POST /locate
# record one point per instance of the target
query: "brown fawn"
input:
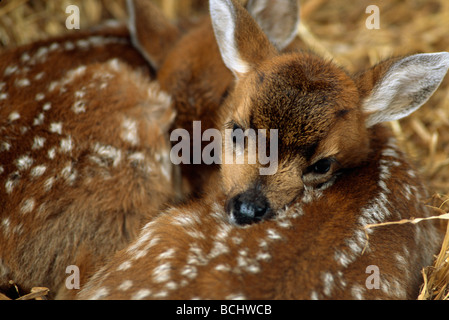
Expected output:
(299, 232)
(84, 155)
(84, 147)
(190, 67)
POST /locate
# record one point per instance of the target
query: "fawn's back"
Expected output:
(299, 232)
(83, 155)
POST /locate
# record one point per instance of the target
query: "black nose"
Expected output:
(248, 207)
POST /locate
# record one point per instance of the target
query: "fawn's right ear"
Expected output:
(241, 41)
(396, 88)
(151, 33)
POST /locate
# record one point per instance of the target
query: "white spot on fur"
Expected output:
(124, 266)
(264, 256)
(218, 249)
(14, 116)
(24, 163)
(12, 182)
(47, 106)
(223, 267)
(236, 296)
(54, 46)
(184, 220)
(40, 97)
(66, 145)
(10, 70)
(100, 294)
(39, 76)
(38, 143)
(52, 153)
(125, 285)
(5, 146)
(56, 127)
(108, 154)
(38, 171)
(357, 292)
(162, 273)
(129, 132)
(79, 107)
(161, 294)
(23, 83)
(114, 64)
(141, 294)
(28, 206)
(69, 174)
(6, 223)
(328, 283)
(167, 254)
(83, 44)
(69, 46)
(39, 120)
(343, 259)
(48, 184)
(189, 272)
(273, 235)
(137, 157)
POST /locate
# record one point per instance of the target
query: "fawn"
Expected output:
(298, 233)
(83, 155)
(84, 146)
(190, 67)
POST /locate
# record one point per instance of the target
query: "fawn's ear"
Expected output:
(241, 41)
(151, 33)
(279, 19)
(394, 89)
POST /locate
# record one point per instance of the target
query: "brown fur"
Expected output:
(317, 91)
(315, 246)
(89, 186)
(289, 257)
(188, 66)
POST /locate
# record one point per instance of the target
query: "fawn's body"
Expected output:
(299, 232)
(311, 250)
(83, 151)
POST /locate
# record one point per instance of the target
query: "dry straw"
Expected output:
(337, 30)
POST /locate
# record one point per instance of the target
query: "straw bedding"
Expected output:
(335, 29)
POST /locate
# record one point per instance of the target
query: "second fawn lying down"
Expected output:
(299, 232)
(83, 156)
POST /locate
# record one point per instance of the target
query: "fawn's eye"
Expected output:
(237, 132)
(323, 166)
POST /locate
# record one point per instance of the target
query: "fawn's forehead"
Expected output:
(301, 95)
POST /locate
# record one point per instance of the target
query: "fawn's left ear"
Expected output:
(394, 89)
(241, 41)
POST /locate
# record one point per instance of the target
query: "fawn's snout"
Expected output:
(248, 207)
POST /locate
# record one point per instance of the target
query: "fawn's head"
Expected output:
(324, 116)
